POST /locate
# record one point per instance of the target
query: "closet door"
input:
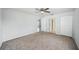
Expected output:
(45, 24)
(66, 25)
(48, 24)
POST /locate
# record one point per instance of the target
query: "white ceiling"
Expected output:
(54, 10)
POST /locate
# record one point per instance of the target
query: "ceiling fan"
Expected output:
(44, 10)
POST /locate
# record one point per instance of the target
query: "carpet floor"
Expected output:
(40, 41)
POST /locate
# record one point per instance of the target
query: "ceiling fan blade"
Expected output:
(46, 8)
(42, 9)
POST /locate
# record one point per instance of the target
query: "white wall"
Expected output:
(64, 23)
(76, 26)
(17, 23)
(0, 28)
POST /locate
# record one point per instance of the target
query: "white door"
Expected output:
(45, 24)
(66, 25)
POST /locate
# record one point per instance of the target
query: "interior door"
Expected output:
(45, 24)
(66, 25)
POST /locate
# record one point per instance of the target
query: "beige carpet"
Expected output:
(40, 41)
